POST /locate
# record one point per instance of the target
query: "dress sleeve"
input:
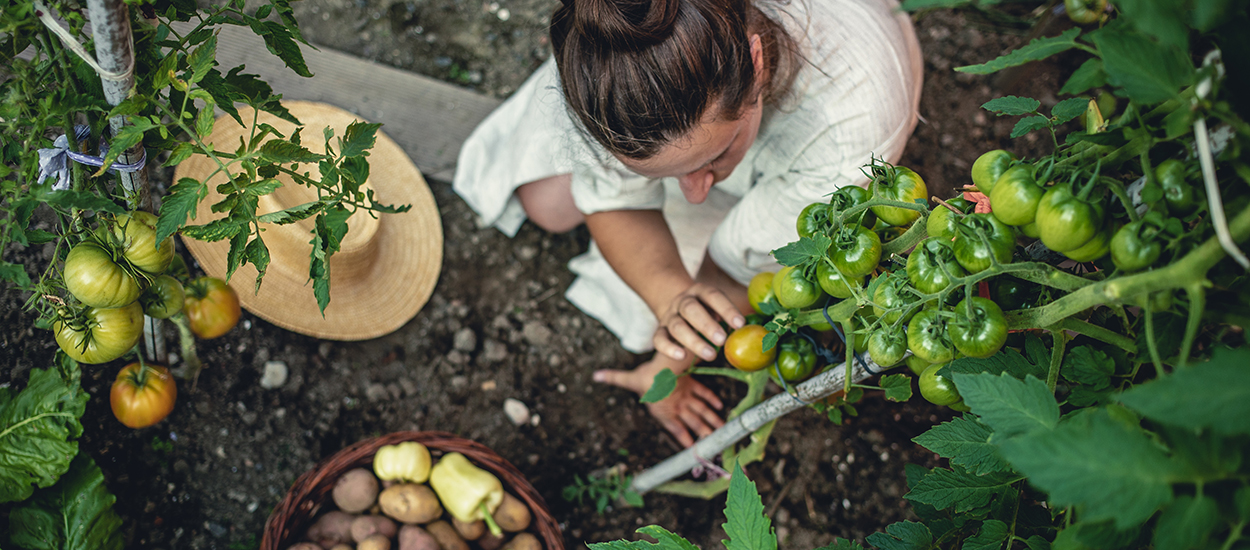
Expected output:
(602, 183)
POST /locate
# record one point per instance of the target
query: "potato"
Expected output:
(366, 526)
(332, 528)
(375, 542)
(355, 491)
(412, 537)
(304, 546)
(446, 535)
(340, 547)
(523, 541)
(491, 542)
(512, 514)
(410, 503)
(469, 531)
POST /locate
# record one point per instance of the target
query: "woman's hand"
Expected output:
(694, 312)
(690, 408)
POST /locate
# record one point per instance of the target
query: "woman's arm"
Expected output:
(641, 249)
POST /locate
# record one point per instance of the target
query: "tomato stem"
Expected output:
(1197, 303)
(1151, 343)
(1056, 356)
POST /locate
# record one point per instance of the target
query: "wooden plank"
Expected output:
(430, 119)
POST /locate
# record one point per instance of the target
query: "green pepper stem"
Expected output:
(490, 520)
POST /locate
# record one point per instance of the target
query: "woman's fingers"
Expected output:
(679, 330)
(722, 306)
(675, 427)
(665, 345)
(696, 422)
(620, 378)
(706, 394)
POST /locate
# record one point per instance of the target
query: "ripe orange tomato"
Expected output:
(745, 349)
(212, 307)
(143, 396)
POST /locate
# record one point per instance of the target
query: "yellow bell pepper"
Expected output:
(467, 492)
(407, 461)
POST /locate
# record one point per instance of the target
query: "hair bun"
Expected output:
(624, 24)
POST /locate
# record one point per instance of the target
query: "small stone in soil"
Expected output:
(517, 412)
(274, 376)
(489, 385)
(465, 340)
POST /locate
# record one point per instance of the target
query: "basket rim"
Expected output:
(311, 490)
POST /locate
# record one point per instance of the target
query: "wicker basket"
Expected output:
(307, 495)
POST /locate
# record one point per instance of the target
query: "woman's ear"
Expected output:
(757, 59)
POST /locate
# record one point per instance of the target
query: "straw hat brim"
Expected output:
(388, 266)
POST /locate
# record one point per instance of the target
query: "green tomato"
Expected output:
(1084, 12)
(793, 290)
(942, 221)
(1066, 221)
(1177, 192)
(1015, 195)
(887, 346)
(760, 290)
(891, 297)
(797, 359)
(897, 183)
(164, 298)
(94, 277)
(1136, 246)
(988, 168)
(834, 284)
(938, 389)
(916, 364)
(855, 251)
(979, 329)
(931, 266)
(100, 335)
(976, 254)
(928, 337)
(813, 219)
(137, 234)
(1011, 293)
(848, 197)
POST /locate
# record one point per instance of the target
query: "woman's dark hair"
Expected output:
(639, 74)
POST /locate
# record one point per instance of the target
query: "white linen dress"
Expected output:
(856, 95)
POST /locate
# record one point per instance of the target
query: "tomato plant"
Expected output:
(1015, 195)
(832, 282)
(760, 290)
(979, 329)
(142, 395)
(135, 234)
(164, 298)
(796, 359)
(982, 240)
(1066, 221)
(941, 222)
(856, 251)
(931, 266)
(99, 335)
(988, 168)
(211, 307)
(899, 184)
(744, 349)
(849, 197)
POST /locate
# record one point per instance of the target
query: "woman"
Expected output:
(688, 135)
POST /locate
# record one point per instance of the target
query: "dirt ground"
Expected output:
(497, 327)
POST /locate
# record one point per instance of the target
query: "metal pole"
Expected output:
(819, 387)
(114, 51)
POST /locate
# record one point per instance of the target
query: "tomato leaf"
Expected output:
(745, 522)
(1008, 405)
(965, 441)
(897, 387)
(1039, 48)
(204, 122)
(179, 203)
(282, 152)
(957, 487)
(1088, 366)
(903, 535)
(14, 273)
(1149, 72)
(39, 422)
(803, 252)
(667, 540)
(661, 387)
(1012, 105)
(1028, 124)
(992, 535)
(1113, 470)
(1186, 523)
(257, 254)
(279, 41)
(1213, 395)
(293, 214)
(1068, 109)
(842, 544)
(358, 138)
(1088, 75)
(75, 514)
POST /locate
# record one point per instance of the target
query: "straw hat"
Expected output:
(387, 266)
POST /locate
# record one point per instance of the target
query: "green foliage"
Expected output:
(1039, 48)
(75, 514)
(603, 491)
(40, 425)
(661, 387)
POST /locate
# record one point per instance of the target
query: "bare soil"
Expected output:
(498, 327)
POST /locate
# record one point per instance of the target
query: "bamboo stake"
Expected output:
(114, 51)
